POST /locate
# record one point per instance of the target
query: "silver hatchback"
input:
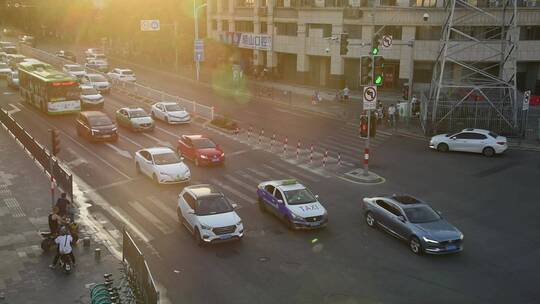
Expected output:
(413, 221)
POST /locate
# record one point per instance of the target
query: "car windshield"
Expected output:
(166, 158)
(75, 68)
(127, 72)
(174, 107)
(203, 143)
(137, 113)
(89, 91)
(100, 62)
(213, 205)
(421, 214)
(97, 78)
(15, 75)
(99, 121)
(299, 197)
(100, 56)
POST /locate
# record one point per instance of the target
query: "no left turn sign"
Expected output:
(370, 98)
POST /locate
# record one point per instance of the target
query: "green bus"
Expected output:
(47, 89)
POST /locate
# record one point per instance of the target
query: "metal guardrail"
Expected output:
(135, 90)
(63, 179)
(134, 259)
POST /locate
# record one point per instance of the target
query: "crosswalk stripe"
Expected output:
(341, 149)
(126, 219)
(151, 217)
(295, 172)
(248, 176)
(170, 212)
(350, 145)
(239, 182)
(258, 172)
(233, 191)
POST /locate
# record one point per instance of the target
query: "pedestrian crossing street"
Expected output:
(344, 149)
(153, 216)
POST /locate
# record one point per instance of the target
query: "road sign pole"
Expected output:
(366, 150)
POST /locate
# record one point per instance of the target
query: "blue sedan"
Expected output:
(413, 221)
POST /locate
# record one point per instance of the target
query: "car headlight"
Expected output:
(222, 154)
(164, 173)
(94, 131)
(114, 129)
(296, 217)
(429, 240)
(205, 227)
(239, 223)
(461, 236)
(204, 156)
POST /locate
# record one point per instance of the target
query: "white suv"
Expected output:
(470, 140)
(208, 215)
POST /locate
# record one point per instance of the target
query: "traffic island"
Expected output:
(358, 176)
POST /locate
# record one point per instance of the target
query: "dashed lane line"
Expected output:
(151, 217)
(233, 191)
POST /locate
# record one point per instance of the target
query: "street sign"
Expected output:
(370, 98)
(386, 41)
(526, 99)
(150, 25)
(198, 50)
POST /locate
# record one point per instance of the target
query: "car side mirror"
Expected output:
(191, 211)
(316, 196)
(401, 218)
(453, 138)
(234, 205)
(181, 158)
(439, 212)
(280, 201)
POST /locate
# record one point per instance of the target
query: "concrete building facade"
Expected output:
(299, 49)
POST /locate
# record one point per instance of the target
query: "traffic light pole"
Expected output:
(51, 163)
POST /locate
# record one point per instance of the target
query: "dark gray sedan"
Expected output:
(414, 221)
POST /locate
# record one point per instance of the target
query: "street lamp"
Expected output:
(196, 15)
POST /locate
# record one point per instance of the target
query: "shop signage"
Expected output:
(248, 40)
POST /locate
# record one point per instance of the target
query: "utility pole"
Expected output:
(196, 18)
(175, 25)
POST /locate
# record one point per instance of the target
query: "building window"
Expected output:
(395, 31)
(423, 3)
(529, 33)
(245, 3)
(286, 29)
(428, 33)
(478, 32)
(225, 25)
(335, 3)
(354, 31)
(214, 25)
(243, 26)
(317, 27)
(264, 28)
(388, 2)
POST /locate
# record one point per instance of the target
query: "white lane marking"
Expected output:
(292, 113)
(260, 173)
(131, 141)
(237, 153)
(118, 183)
(8, 93)
(159, 141)
(171, 213)
(122, 152)
(296, 172)
(150, 216)
(233, 191)
(168, 132)
(248, 176)
(15, 109)
(239, 182)
(86, 149)
(76, 162)
(146, 237)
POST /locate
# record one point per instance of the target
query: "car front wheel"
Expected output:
(138, 168)
(370, 220)
(488, 152)
(415, 245)
(442, 147)
(198, 238)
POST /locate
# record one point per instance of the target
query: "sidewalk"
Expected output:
(25, 203)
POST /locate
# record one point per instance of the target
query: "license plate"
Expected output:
(225, 237)
(107, 135)
(450, 247)
(215, 159)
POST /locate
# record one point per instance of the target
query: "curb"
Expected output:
(357, 176)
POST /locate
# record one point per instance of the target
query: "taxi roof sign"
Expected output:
(289, 182)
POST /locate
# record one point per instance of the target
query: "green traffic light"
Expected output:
(378, 80)
(375, 51)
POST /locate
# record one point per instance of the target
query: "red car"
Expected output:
(202, 150)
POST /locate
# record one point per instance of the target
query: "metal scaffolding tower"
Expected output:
(474, 78)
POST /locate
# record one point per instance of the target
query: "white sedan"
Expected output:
(170, 112)
(470, 140)
(122, 74)
(74, 69)
(162, 164)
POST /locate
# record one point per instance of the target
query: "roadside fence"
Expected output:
(143, 283)
(63, 179)
(132, 89)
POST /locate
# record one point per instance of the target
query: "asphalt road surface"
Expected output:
(492, 201)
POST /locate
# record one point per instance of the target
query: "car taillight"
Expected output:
(502, 143)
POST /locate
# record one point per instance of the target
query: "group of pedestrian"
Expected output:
(388, 115)
(61, 215)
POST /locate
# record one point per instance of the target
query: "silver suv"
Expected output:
(413, 221)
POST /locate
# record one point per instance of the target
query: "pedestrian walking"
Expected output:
(392, 115)
(316, 98)
(346, 92)
(64, 206)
